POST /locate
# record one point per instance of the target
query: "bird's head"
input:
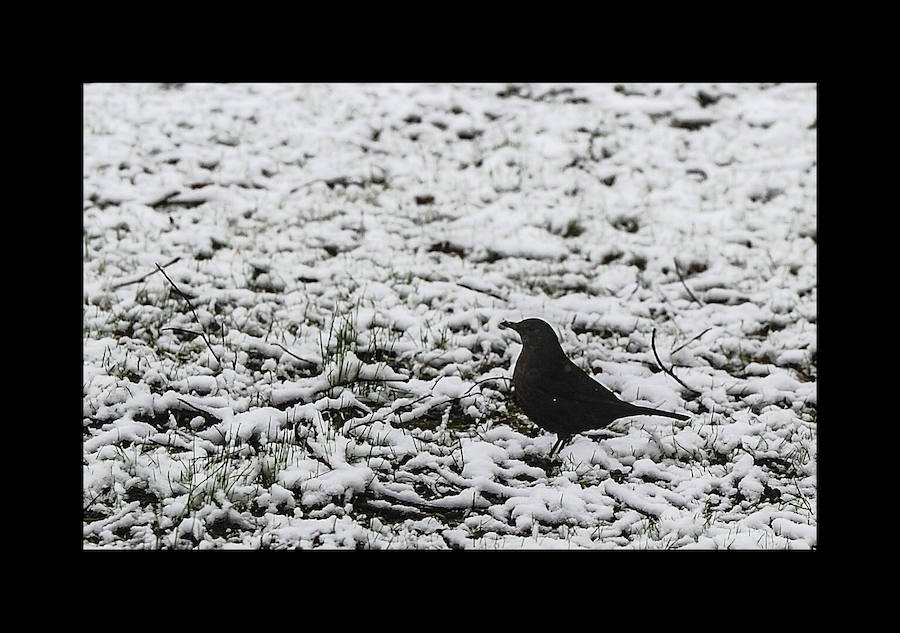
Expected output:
(534, 332)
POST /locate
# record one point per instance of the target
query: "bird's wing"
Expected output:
(567, 400)
(572, 383)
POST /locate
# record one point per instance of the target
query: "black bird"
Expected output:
(556, 394)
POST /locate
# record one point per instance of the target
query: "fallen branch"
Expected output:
(140, 279)
(194, 312)
(662, 367)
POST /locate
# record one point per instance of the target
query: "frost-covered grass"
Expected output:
(343, 257)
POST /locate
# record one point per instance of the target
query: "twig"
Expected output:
(235, 356)
(97, 496)
(802, 496)
(352, 381)
(690, 341)
(140, 279)
(204, 411)
(478, 382)
(295, 356)
(391, 412)
(310, 451)
(196, 318)
(331, 182)
(681, 277)
(355, 380)
(636, 286)
(423, 397)
(418, 505)
(662, 367)
(180, 331)
(487, 292)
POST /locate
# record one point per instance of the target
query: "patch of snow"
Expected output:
(349, 252)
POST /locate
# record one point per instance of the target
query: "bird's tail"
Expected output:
(636, 410)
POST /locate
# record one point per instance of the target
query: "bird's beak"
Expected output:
(508, 325)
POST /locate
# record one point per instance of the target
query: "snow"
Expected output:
(349, 252)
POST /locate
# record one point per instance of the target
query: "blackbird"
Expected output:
(556, 394)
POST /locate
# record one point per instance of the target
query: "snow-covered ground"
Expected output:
(343, 257)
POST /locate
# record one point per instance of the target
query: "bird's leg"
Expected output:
(560, 441)
(553, 450)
